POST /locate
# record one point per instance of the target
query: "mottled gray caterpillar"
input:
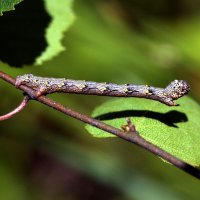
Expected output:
(42, 85)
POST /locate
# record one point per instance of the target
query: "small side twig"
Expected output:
(129, 127)
(16, 110)
(128, 136)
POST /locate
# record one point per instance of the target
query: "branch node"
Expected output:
(129, 127)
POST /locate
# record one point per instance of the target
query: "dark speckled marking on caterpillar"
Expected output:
(42, 85)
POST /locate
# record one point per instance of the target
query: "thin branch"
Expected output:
(132, 137)
(16, 110)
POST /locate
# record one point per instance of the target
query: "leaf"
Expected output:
(174, 129)
(62, 18)
(7, 5)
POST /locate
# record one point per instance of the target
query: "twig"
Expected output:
(128, 136)
(16, 110)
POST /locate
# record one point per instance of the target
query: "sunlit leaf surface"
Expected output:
(7, 5)
(174, 129)
(62, 18)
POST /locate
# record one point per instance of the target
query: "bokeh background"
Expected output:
(45, 155)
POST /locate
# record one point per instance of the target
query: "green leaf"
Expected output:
(7, 5)
(62, 18)
(174, 129)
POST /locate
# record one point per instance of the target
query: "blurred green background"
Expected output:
(48, 156)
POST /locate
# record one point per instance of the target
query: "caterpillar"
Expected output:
(44, 85)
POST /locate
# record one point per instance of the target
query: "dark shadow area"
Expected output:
(169, 118)
(136, 13)
(22, 33)
(68, 182)
(163, 9)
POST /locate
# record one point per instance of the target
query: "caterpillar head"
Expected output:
(177, 89)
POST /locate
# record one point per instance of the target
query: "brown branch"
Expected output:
(132, 137)
(16, 110)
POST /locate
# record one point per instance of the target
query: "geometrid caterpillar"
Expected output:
(42, 85)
